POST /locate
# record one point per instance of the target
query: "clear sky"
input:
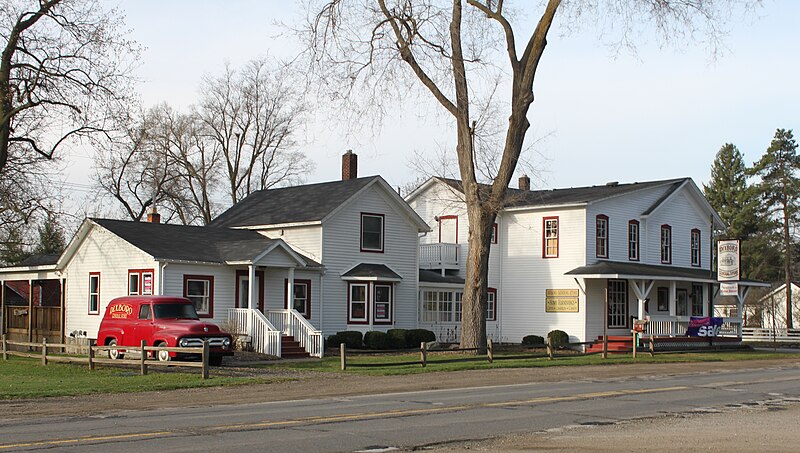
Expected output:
(661, 114)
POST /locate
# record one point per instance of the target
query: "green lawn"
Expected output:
(27, 378)
(437, 361)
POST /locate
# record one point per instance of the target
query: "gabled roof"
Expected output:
(166, 242)
(297, 204)
(370, 271)
(568, 196)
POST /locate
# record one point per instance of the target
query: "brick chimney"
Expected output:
(349, 165)
(153, 216)
(524, 182)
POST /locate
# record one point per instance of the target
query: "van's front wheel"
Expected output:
(163, 356)
(114, 354)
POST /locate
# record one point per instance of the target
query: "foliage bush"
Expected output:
(376, 340)
(352, 338)
(333, 341)
(416, 336)
(558, 338)
(532, 340)
(397, 338)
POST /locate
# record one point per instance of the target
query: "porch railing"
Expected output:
(438, 255)
(776, 335)
(291, 322)
(677, 325)
(264, 337)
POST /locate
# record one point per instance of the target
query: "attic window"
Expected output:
(372, 233)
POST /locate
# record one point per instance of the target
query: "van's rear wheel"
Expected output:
(114, 354)
(163, 356)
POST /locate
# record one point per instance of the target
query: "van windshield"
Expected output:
(175, 311)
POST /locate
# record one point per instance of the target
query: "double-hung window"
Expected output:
(372, 232)
(301, 295)
(666, 244)
(382, 301)
(140, 281)
(550, 237)
(695, 244)
(633, 240)
(94, 293)
(601, 236)
(357, 306)
(200, 290)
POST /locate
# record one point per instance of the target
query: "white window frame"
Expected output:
(94, 297)
(350, 302)
(204, 299)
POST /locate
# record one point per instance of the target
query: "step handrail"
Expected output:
(294, 324)
(265, 338)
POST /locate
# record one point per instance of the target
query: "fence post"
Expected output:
(343, 355)
(549, 349)
(634, 343)
(489, 351)
(423, 352)
(44, 351)
(91, 357)
(144, 356)
(5, 348)
(205, 359)
(652, 346)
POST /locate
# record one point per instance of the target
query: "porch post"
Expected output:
(672, 289)
(290, 288)
(251, 286)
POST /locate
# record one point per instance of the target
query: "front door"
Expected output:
(243, 289)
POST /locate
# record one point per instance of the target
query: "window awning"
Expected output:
(614, 269)
(371, 272)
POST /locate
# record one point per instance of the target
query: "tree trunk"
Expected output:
(476, 282)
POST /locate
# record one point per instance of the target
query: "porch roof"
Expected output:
(369, 271)
(426, 276)
(615, 269)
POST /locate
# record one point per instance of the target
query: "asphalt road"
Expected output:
(404, 420)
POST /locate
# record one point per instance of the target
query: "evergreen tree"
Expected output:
(779, 189)
(729, 194)
(13, 248)
(51, 237)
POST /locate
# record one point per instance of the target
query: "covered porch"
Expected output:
(32, 300)
(277, 322)
(619, 294)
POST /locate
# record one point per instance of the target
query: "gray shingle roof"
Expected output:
(191, 243)
(648, 270)
(40, 260)
(306, 203)
(588, 194)
(368, 270)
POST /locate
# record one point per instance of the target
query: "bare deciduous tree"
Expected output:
(252, 116)
(370, 52)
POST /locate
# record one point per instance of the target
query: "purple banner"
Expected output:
(704, 326)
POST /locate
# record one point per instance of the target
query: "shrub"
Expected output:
(376, 340)
(333, 341)
(352, 338)
(558, 338)
(397, 338)
(532, 340)
(416, 336)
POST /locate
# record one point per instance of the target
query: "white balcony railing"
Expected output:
(438, 256)
(664, 325)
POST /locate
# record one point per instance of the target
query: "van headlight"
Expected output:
(226, 342)
(184, 342)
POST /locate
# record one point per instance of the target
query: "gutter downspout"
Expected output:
(161, 279)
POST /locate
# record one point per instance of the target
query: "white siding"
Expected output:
(526, 275)
(305, 239)
(108, 254)
(224, 285)
(341, 251)
(682, 214)
(275, 291)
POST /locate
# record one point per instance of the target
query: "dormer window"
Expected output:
(601, 236)
(372, 232)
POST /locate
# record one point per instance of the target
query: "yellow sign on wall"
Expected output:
(561, 301)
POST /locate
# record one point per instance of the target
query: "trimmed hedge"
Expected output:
(353, 339)
(532, 340)
(397, 338)
(414, 337)
(558, 338)
(333, 341)
(376, 340)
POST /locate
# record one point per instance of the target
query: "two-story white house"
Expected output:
(298, 262)
(559, 256)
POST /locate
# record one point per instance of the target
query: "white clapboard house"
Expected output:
(555, 254)
(282, 265)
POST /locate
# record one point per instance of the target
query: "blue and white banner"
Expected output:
(704, 326)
